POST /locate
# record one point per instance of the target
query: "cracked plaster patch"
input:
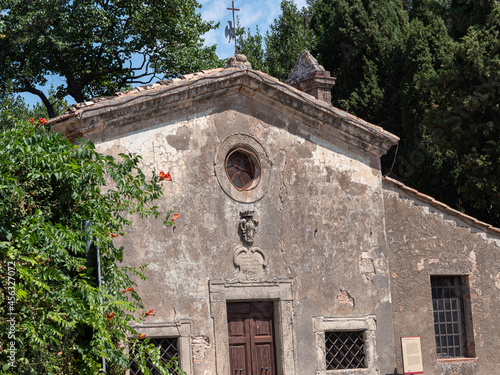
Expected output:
(358, 171)
(345, 298)
(366, 267)
(199, 345)
(421, 264)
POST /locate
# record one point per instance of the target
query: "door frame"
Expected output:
(249, 313)
(281, 293)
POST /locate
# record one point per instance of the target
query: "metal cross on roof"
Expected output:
(230, 31)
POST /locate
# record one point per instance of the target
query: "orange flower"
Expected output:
(142, 335)
(165, 176)
(32, 120)
(131, 289)
(113, 235)
(42, 121)
(175, 217)
(110, 315)
(151, 312)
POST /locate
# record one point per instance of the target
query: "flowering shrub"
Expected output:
(63, 323)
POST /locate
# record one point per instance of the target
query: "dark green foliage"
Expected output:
(48, 187)
(465, 109)
(90, 43)
(358, 42)
(426, 54)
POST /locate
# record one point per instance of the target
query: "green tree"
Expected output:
(13, 107)
(91, 44)
(358, 41)
(465, 110)
(251, 46)
(277, 53)
(287, 37)
(427, 51)
(54, 314)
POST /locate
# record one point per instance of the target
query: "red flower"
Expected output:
(142, 335)
(151, 312)
(131, 289)
(175, 217)
(42, 121)
(81, 268)
(113, 235)
(165, 176)
(32, 120)
(110, 315)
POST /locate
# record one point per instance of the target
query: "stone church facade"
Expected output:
(292, 254)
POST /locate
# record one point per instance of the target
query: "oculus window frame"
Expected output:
(257, 156)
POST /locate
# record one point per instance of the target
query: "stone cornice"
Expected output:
(144, 102)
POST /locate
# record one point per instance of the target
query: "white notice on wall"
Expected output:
(412, 355)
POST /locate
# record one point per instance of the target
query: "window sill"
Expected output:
(357, 371)
(457, 359)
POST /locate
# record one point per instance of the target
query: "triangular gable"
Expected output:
(163, 98)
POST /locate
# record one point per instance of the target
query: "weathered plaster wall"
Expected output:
(424, 242)
(320, 222)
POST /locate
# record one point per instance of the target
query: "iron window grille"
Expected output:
(345, 350)
(449, 316)
(168, 351)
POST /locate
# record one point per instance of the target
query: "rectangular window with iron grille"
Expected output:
(449, 310)
(345, 350)
(168, 351)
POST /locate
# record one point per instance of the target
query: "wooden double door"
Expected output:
(251, 338)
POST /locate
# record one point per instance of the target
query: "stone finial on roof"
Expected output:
(238, 61)
(312, 78)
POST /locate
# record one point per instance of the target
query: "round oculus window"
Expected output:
(242, 169)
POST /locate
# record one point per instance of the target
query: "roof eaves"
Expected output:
(469, 220)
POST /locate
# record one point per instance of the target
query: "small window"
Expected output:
(345, 350)
(448, 306)
(243, 169)
(346, 345)
(168, 351)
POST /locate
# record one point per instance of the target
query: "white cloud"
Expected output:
(300, 3)
(212, 10)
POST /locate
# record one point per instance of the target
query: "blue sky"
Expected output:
(251, 14)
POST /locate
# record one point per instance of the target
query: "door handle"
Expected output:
(240, 370)
(264, 368)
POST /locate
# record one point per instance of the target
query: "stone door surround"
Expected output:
(280, 292)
